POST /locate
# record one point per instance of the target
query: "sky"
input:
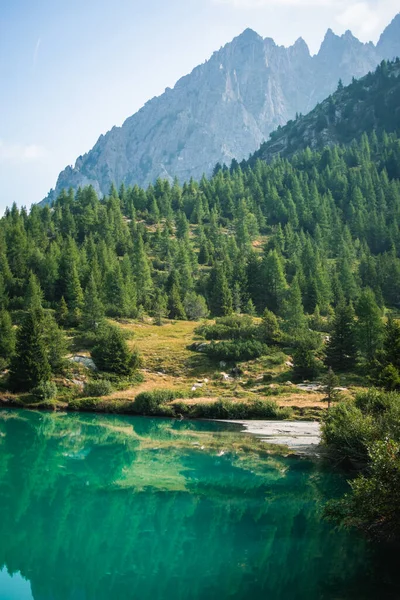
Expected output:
(70, 71)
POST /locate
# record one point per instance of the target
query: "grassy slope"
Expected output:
(168, 364)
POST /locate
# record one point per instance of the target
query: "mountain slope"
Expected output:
(371, 103)
(224, 109)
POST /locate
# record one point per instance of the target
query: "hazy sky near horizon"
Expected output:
(69, 71)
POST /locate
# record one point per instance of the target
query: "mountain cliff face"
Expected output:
(371, 103)
(224, 109)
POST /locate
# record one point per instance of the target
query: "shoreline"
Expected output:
(301, 437)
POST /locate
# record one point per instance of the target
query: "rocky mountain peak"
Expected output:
(389, 42)
(224, 109)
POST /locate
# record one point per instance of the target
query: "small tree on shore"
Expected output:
(330, 384)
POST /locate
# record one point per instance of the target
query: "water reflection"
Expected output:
(96, 507)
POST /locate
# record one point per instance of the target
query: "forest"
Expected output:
(301, 255)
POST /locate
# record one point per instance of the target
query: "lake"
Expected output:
(110, 507)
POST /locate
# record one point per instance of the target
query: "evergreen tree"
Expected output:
(7, 338)
(269, 328)
(34, 294)
(293, 317)
(220, 296)
(369, 325)
(55, 344)
(175, 306)
(160, 307)
(275, 281)
(330, 383)
(391, 342)
(74, 296)
(341, 349)
(195, 306)
(112, 353)
(305, 365)
(30, 365)
(62, 312)
(93, 309)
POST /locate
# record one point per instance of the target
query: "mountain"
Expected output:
(371, 103)
(224, 109)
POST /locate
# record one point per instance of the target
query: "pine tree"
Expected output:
(369, 325)
(112, 353)
(330, 383)
(274, 281)
(141, 268)
(269, 328)
(3, 293)
(93, 309)
(341, 349)
(34, 295)
(160, 307)
(220, 297)
(55, 344)
(62, 312)
(195, 306)
(7, 338)
(391, 342)
(74, 296)
(30, 365)
(292, 311)
(175, 306)
(305, 365)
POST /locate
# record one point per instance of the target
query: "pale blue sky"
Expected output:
(69, 71)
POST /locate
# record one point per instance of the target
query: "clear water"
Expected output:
(99, 507)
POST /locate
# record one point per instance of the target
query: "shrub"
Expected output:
(47, 390)
(234, 327)
(236, 351)
(348, 432)
(149, 403)
(102, 387)
(256, 409)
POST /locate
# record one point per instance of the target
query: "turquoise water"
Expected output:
(100, 507)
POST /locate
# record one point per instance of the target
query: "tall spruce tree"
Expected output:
(30, 365)
(220, 296)
(369, 324)
(7, 338)
(341, 349)
(293, 317)
(93, 309)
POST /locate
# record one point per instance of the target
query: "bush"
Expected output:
(149, 403)
(235, 351)
(348, 432)
(234, 327)
(102, 387)
(256, 409)
(47, 390)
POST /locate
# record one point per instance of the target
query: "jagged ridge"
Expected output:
(368, 104)
(224, 109)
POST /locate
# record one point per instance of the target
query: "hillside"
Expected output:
(371, 103)
(224, 109)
